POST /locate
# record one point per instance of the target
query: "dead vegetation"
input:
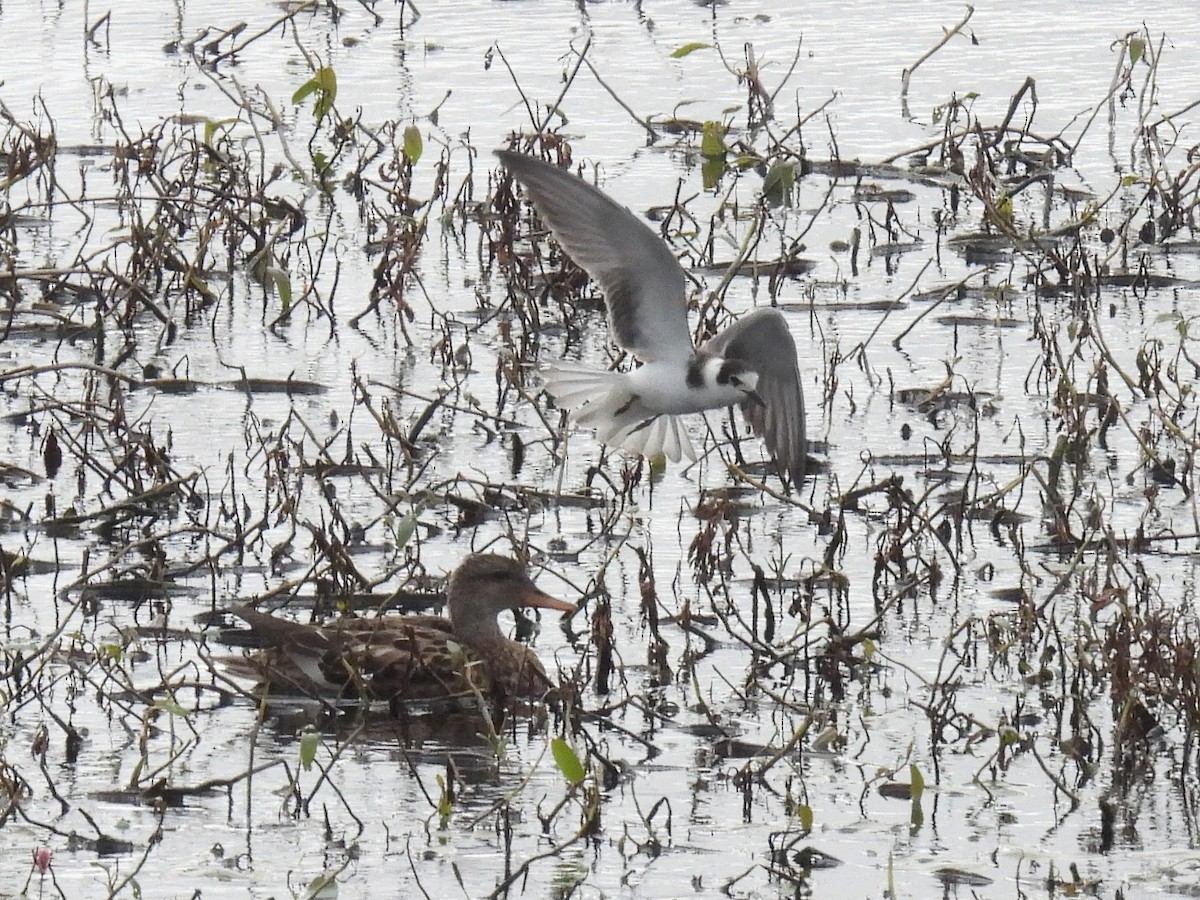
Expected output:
(1034, 550)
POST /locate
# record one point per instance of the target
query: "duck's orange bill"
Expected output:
(545, 601)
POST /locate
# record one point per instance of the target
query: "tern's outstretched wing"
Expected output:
(642, 281)
(761, 338)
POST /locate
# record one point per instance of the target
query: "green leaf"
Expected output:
(687, 49)
(805, 815)
(445, 801)
(713, 150)
(1004, 208)
(1137, 46)
(658, 465)
(917, 781)
(324, 85)
(327, 79)
(328, 82)
(322, 106)
(406, 527)
(112, 651)
(916, 787)
(778, 184)
(712, 141)
(212, 126)
(304, 90)
(568, 763)
(283, 285)
(169, 705)
(412, 144)
(320, 164)
(711, 171)
(309, 739)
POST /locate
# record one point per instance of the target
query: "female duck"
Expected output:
(415, 657)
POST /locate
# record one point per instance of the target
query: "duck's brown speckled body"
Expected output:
(415, 657)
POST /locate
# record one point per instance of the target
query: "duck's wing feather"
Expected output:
(413, 661)
(761, 338)
(409, 657)
(643, 283)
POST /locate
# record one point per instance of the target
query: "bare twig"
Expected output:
(906, 75)
(625, 106)
(286, 17)
(947, 292)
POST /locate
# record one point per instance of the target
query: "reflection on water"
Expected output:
(244, 356)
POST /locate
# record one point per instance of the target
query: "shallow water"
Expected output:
(679, 809)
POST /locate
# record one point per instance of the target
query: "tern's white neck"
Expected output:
(704, 383)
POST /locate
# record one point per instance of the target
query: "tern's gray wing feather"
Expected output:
(761, 339)
(642, 281)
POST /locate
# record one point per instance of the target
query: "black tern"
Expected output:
(751, 363)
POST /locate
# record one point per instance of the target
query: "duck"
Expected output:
(414, 657)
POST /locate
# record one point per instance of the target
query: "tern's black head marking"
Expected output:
(737, 373)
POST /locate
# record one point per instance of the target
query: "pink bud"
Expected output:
(41, 859)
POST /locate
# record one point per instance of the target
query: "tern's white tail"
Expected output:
(604, 400)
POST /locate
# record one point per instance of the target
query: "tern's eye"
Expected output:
(735, 381)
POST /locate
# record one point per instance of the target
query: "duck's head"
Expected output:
(484, 585)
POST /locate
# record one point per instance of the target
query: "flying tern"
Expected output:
(751, 363)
